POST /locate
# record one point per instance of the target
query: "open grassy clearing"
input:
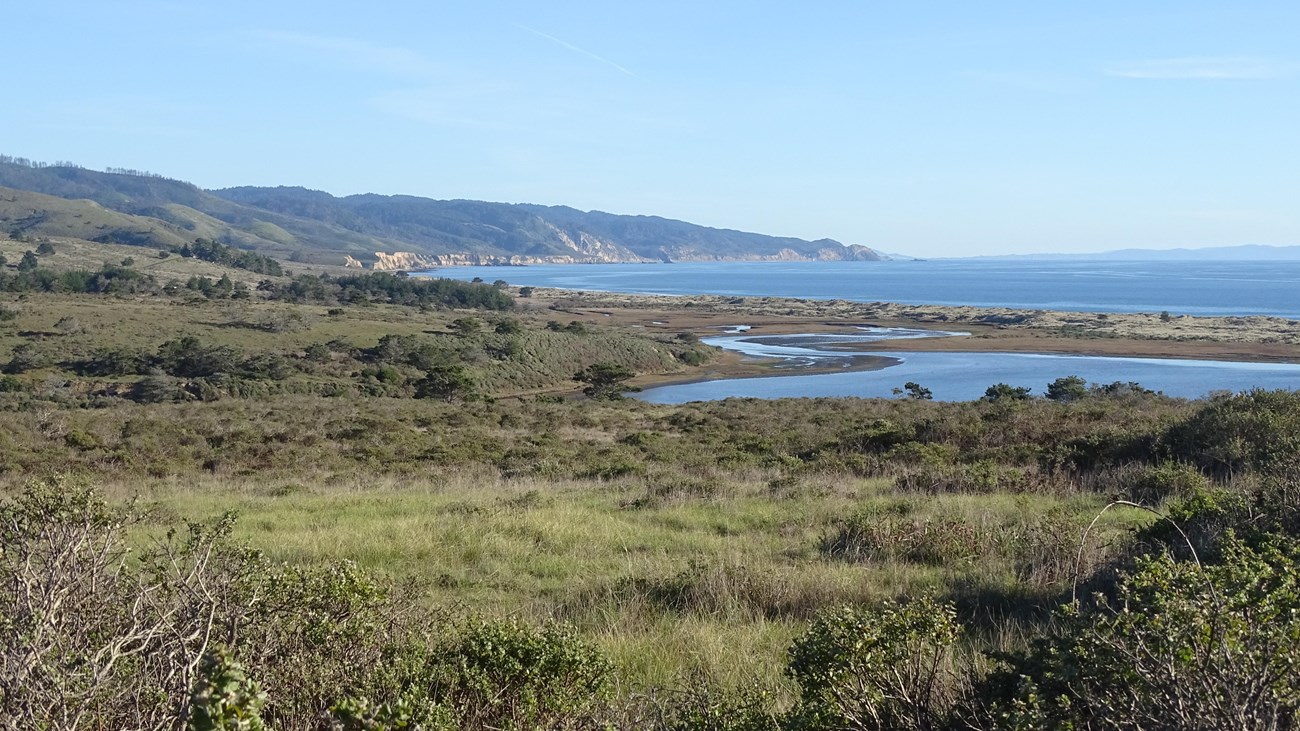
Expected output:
(711, 585)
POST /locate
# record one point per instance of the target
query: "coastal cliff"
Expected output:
(412, 261)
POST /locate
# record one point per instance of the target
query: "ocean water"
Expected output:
(1179, 287)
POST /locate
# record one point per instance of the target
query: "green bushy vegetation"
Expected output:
(196, 629)
(364, 511)
(319, 289)
(217, 253)
(224, 345)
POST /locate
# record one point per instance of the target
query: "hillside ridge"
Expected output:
(393, 232)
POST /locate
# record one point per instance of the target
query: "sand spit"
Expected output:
(1255, 338)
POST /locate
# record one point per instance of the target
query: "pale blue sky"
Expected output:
(929, 128)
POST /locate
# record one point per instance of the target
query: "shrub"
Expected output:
(693, 357)
(466, 326)
(1180, 647)
(1255, 430)
(605, 381)
(915, 391)
(493, 674)
(446, 383)
(188, 357)
(24, 358)
(1153, 485)
(702, 708)
(884, 668)
(508, 326)
(156, 390)
(1067, 389)
(1002, 392)
(111, 362)
(224, 697)
(69, 325)
(1204, 518)
(89, 638)
(879, 536)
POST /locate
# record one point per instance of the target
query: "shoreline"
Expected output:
(1256, 339)
(732, 365)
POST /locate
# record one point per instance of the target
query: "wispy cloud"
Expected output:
(574, 48)
(1206, 68)
(352, 52)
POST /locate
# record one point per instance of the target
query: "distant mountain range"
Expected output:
(1245, 252)
(384, 232)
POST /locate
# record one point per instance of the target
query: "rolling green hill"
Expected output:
(27, 214)
(389, 231)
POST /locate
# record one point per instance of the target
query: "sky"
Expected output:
(923, 128)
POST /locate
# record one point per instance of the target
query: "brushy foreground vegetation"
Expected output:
(226, 513)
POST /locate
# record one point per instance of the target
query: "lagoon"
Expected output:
(1205, 288)
(960, 376)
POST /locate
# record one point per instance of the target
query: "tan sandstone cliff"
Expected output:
(591, 250)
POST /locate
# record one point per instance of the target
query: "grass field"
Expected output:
(714, 585)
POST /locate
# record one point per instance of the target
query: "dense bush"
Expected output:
(217, 253)
(111, 279)
(194, 628)
(1181, 647)
(881, 669)
(605, 381)
(389, 288)
(1254, 430)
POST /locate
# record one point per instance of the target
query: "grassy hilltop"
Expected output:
(268, 493)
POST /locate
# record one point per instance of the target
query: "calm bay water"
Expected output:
(1179, 287)
(1191, 288)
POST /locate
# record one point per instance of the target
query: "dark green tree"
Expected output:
(605, 381)
(915, 391)
(1005, 392)
(446, 383)
(1067, 389)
